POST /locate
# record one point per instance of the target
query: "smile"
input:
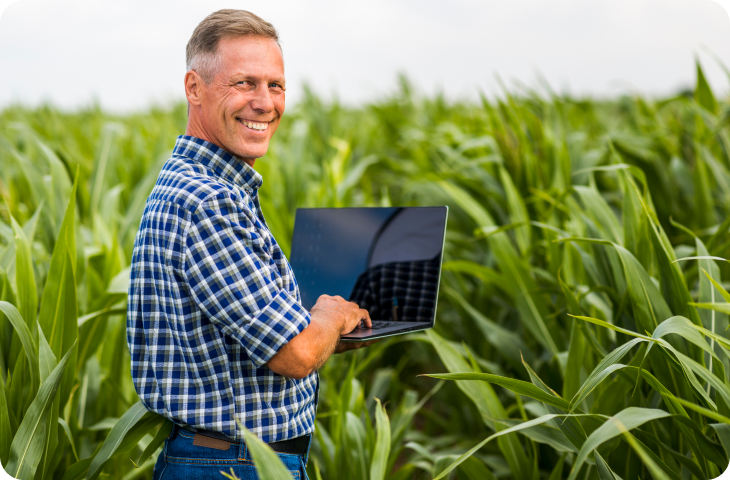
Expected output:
(258, 126)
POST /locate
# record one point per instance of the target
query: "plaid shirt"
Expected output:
(211, 299)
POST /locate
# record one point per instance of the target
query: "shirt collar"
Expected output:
(223, 163)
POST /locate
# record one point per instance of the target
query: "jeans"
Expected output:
(180, 459)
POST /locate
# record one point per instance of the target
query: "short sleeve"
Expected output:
(227, 269)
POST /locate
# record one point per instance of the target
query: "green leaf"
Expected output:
(648, 304)
(69, 435)
(547, 434)
(31, 350)
(719, 287)
(516, 276)
(115, 437)
(508, 343)
(690, 365)
(716, 306)
(382, 443)
(158, 440)
(608, 364)
(723, 433)
(524, 425)
(120, 283)
(8, 257)
(703, 93)
(29, 441)
(78, 470)
(576, 346)
(597, 207)
(602, 323)
(357, 437)
(27, 294)
(518, 386)
(557, 473)
(571, 427)
(650, 460)
(685, 329)
(47, 361)
(483, 273)
(473, 469)
(58, 313)
(517, 211)
(614, 426)
(487, 403)
(6, 433)
(268, 464)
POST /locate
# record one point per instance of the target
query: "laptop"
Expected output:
(387, 260)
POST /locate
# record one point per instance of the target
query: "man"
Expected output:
(215, 325)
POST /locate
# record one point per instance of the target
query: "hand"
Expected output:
(338, 309)
(343, 347)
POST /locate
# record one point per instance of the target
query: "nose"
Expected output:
(262, 102)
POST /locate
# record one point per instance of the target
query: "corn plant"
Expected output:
(581, 326)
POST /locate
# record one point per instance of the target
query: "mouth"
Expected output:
(255, 126)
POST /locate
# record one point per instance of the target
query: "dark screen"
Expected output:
(386, 260)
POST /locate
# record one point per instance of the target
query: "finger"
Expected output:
(366, 318)
(337, 297)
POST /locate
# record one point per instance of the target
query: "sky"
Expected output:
(128, 55)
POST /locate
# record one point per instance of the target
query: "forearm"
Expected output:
(309, 350)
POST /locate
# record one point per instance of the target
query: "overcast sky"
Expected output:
(131, 53)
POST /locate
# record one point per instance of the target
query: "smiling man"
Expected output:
(215, 326)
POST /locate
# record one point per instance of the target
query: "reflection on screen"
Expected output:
(387, 260)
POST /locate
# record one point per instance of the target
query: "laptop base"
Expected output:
(361, 334)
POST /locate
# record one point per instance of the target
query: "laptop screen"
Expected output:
(387, 260)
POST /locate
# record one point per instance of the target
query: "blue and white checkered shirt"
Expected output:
(212, 298)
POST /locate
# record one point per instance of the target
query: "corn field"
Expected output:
(582, 323)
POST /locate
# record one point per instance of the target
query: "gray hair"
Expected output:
(202, 53)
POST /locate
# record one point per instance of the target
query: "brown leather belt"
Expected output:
(219, 441)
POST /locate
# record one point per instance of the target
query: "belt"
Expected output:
(219, 441)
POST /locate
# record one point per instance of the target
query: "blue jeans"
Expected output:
(180, 459)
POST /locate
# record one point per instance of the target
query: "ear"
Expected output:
(193, 87)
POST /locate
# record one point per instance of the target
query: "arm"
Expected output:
(308, 351)
(233, 285)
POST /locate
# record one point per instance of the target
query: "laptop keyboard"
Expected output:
(379, 325)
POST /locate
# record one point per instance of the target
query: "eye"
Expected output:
(244, 82)
(276, 86)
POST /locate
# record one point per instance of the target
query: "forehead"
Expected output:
(251, 56)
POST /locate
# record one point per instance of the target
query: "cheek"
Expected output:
(280, 104)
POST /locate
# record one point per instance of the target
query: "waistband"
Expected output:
(217, 440)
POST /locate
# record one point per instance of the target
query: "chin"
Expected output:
(251, 152)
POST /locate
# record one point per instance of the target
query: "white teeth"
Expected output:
(255, 126)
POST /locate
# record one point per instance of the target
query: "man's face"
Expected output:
(242, 107)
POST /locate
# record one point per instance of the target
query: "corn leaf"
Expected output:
(31, 350)
(29, 441)
(27, 294)
(486, 401)
(703, 93)
(382, 443)
(268, 465)
(516, 277)
(6, 433)
(614, 426)
(115, 438)
(158, 440)
(58, 312)
(518, 386)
